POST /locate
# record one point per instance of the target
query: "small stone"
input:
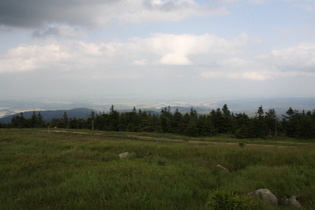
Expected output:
(124, 155)
(266, 195)
(291, 201)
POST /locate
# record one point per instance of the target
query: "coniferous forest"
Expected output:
(294, 123)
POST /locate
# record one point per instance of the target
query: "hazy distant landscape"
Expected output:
(202, 105)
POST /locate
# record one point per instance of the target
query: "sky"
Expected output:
(157, 48)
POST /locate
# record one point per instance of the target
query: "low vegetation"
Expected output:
(55, 169)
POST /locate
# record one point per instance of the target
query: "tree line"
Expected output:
(294, 123)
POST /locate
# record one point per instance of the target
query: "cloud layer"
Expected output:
(158, 46)
(159, 49)
(94, 13)
(218, 57)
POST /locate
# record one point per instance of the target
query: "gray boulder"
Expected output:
(266, 195)
(124, 155)
(291, 201)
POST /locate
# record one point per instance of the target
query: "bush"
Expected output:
(241, 144)
(225, 200)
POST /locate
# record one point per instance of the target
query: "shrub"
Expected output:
(226, 200)
(241, 144)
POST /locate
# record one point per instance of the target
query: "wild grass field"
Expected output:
(42, 169)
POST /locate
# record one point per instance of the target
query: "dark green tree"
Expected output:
(40, 123)
(166, 120)
(19, 121)
(218, 120)
(33, 121)
(241, 123)
(192, 128)
(65, 120)
(305, 127)
(272, 122)
(290, 122)
(176, 122)
(227, 119)
(113, 119)
(258, 126)
(205, 126)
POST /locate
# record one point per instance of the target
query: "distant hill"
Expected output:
(182, 109)
(200, 110)
(85, 112)
(49, 115)
(248, 106)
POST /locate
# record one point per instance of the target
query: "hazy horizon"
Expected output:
(204, 105)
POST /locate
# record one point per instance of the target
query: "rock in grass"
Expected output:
(291, 201)
(222, 167)
(124, 155)
(266, 195)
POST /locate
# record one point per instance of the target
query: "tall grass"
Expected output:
(41, 170)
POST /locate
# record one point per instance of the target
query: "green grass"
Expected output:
(41, 170)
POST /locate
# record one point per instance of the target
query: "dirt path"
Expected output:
(135, 137)
(148, 138)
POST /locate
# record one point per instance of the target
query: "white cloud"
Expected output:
(237, 63)
(301, 57)
(239, 1)
(212, 74)
(176, 49)
(159, 49)
(308, 5)
(175, 59)
(291, 62)
(117, 59)
(30, 57)
(261, 76)
(294, 74)
(62, 56)
(225, 1)
(257, 76)
(257, 1)
(238, 68)
(141, 62)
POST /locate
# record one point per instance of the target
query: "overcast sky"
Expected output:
(162, 48)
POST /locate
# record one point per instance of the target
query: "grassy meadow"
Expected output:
(42, 169)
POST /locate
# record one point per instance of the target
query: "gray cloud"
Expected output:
(57, 31)
(47, 32)
(92, 13)
(35, 13)
(168, 6)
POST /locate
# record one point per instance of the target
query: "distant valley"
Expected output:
(56, 109)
